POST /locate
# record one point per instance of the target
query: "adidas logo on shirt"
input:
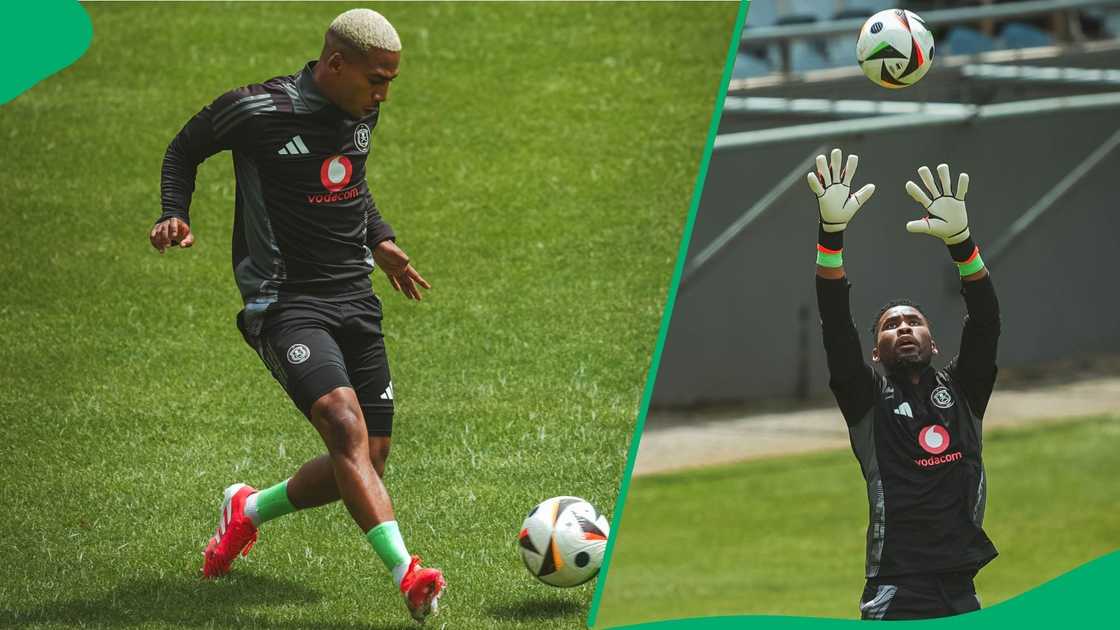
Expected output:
(388, 393)
(904, 410)
(295, 146)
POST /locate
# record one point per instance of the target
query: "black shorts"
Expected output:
(919, 596)
(313, 346)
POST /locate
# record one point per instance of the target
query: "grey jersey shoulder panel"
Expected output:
(241, 110)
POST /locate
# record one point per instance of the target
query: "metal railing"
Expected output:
(883, 124)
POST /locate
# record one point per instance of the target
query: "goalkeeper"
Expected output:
(915, 430)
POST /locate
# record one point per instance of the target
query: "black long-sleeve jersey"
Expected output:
(305, 222)
(919, 446)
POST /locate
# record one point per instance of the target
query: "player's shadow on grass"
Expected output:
(537, 608)
(234, 603)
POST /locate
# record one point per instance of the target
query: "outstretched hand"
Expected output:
(833, 186)
(170, 233)
(397, 267)
(946, 215)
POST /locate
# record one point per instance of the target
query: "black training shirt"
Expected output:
(919, 446)
(305, 222)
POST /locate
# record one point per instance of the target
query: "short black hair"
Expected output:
(888, 306)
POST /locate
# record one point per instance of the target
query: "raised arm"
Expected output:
(217, 127)
(850, 377)
(947, 218)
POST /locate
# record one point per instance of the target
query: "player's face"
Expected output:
(904, 339)
(364, 82)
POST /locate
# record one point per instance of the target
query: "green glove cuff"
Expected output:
(829, 258)
(972, 265)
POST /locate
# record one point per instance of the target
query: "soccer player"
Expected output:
(306, 237)
(915, 430)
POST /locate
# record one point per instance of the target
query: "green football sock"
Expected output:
(269, 503)
(387, 542)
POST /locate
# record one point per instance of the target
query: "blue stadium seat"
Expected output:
(871, 6)
(1112, 23)
(842, 49)
(762, 13)
(804, 54)
(1019, 35)
(963, 40)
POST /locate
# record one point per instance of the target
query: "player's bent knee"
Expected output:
(343, 432)
(339, 422)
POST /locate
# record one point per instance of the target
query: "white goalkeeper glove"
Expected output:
(946, 217)
(832, 187)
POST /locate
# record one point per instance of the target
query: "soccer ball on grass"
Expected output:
(562, 541)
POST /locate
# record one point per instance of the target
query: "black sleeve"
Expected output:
(217, 127)
(377, 229)
(975, 367)
(852, 380)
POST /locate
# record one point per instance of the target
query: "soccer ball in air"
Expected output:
(895, 49)
(562, 541)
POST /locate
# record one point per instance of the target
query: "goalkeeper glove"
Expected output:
(832, 187)
(946, 217)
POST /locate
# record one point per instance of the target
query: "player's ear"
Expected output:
(875, 355)
(933, 347)
(335, 61)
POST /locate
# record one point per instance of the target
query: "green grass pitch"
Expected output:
(537, 162)
(785, 536)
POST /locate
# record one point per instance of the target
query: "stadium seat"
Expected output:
(804, 54)
(963, 40)
(842, 50)
(1019, 35)
(1112, 24)
(869, 6)
(762, 13)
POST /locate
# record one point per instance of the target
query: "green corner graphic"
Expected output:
(23, 38)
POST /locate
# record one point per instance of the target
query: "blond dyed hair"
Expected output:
(361, 30)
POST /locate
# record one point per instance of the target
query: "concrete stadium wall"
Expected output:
(746, 328)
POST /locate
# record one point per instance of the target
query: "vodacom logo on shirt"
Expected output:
(335, 175)
(335, 172)
(934, 439)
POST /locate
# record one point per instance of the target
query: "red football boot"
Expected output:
(235, 533)
(421, 589)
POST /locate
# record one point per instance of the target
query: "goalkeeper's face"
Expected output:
(903, 339)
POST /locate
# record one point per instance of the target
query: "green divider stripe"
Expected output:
(666, 315)
(1082, 598)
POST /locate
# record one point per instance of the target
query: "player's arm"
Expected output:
(850, 377)
(387, 255)
(947, 218)
(213, 129)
